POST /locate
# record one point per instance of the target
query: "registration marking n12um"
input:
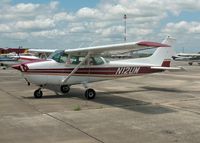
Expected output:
(127, 70)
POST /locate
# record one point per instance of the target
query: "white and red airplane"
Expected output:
(8, 60)
(187, 57)
(85, 65)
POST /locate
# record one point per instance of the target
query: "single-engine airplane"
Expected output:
(85, 65)
(187, 57)
(8, 60)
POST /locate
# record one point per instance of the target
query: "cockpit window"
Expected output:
(62, 57)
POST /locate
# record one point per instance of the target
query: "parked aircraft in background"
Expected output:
(85, 65)
(187, 57)
(7, 60)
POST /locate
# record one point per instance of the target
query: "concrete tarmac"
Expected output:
(162, 107)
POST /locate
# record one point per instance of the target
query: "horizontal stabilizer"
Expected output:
(169, 68)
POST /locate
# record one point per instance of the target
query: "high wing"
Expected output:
(175, 69)
(132, 46)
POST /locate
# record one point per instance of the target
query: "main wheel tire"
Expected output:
(90, 94)
(65, 88)
(38, 93)
(190, 63)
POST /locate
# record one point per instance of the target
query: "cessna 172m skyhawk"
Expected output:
(84, 65)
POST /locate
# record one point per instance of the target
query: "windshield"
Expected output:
(59, 56)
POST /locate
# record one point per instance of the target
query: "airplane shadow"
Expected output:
(111, 99)
(150, 88)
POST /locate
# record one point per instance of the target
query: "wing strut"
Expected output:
(75, 69)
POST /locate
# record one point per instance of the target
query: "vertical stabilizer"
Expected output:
(162, 56)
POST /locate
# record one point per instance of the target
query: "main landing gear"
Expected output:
(38, 93)
(190, 63)
(90, 94)
(65, 89)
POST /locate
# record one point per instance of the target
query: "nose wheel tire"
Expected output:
(90, 94)
(65, 88)
(38, 93)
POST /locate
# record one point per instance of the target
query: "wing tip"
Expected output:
(152, 44)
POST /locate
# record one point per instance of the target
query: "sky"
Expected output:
(63, 24)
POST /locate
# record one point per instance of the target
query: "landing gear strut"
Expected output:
(38, 93)
(90, 94)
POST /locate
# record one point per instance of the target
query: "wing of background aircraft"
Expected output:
(132, 46)
(188, 54)
(42, 53)
(187, 57)
(42, 50)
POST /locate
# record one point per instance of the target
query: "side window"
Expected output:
(74, 60)
(63, 58)
(98, 61)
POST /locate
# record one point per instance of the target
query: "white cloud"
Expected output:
(54, 4)
(103, 23)
(63, 16)
(24, 8)
(39, 24)
(183, 27)
(48, 33)
(4, 28)
(17, 35)
(88, 13)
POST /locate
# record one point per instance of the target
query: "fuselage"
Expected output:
(54, 73)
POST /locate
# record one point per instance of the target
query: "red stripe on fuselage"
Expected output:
(97, 71)
(166, 63)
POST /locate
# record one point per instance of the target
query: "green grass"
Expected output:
(77, 108)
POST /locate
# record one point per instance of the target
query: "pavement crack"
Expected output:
(71, 125)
